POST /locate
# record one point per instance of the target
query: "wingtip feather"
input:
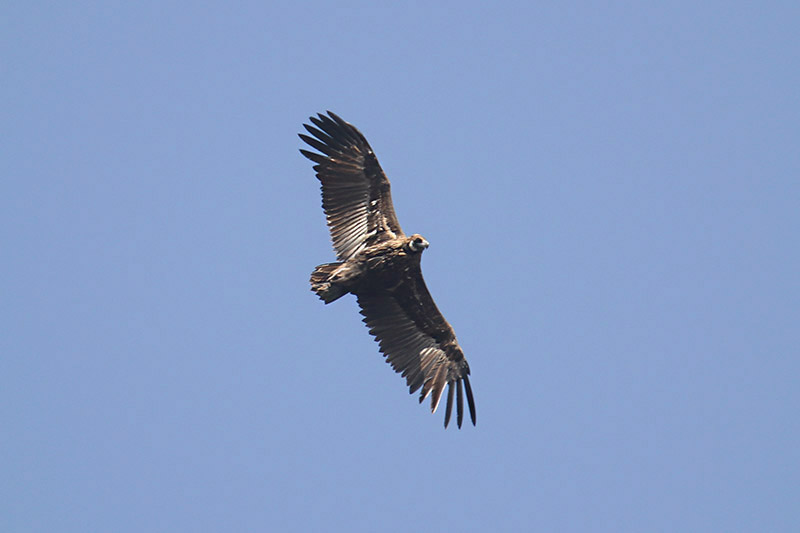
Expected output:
(449, 410)
(439, 382)
(470, 401)
(459, 403)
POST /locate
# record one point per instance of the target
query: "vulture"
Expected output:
(380, 265)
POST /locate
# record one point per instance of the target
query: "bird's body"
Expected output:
(380, 265)
(376, 268)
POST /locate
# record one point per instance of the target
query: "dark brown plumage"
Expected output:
(380, 265)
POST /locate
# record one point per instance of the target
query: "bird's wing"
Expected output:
(419, 343)
(356, 194)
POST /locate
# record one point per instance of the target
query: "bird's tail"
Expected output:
(321, 284)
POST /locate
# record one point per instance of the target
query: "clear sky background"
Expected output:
(611, 191)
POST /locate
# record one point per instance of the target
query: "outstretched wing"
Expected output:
(419, 343)
(356, 194)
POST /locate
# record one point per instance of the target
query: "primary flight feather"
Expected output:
(380, 265)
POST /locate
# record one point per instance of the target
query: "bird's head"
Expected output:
(416, 243)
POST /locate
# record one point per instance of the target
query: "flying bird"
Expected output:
(380, 265)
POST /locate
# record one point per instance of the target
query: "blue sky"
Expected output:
(611, 195)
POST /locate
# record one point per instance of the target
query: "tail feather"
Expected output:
(321, 284)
